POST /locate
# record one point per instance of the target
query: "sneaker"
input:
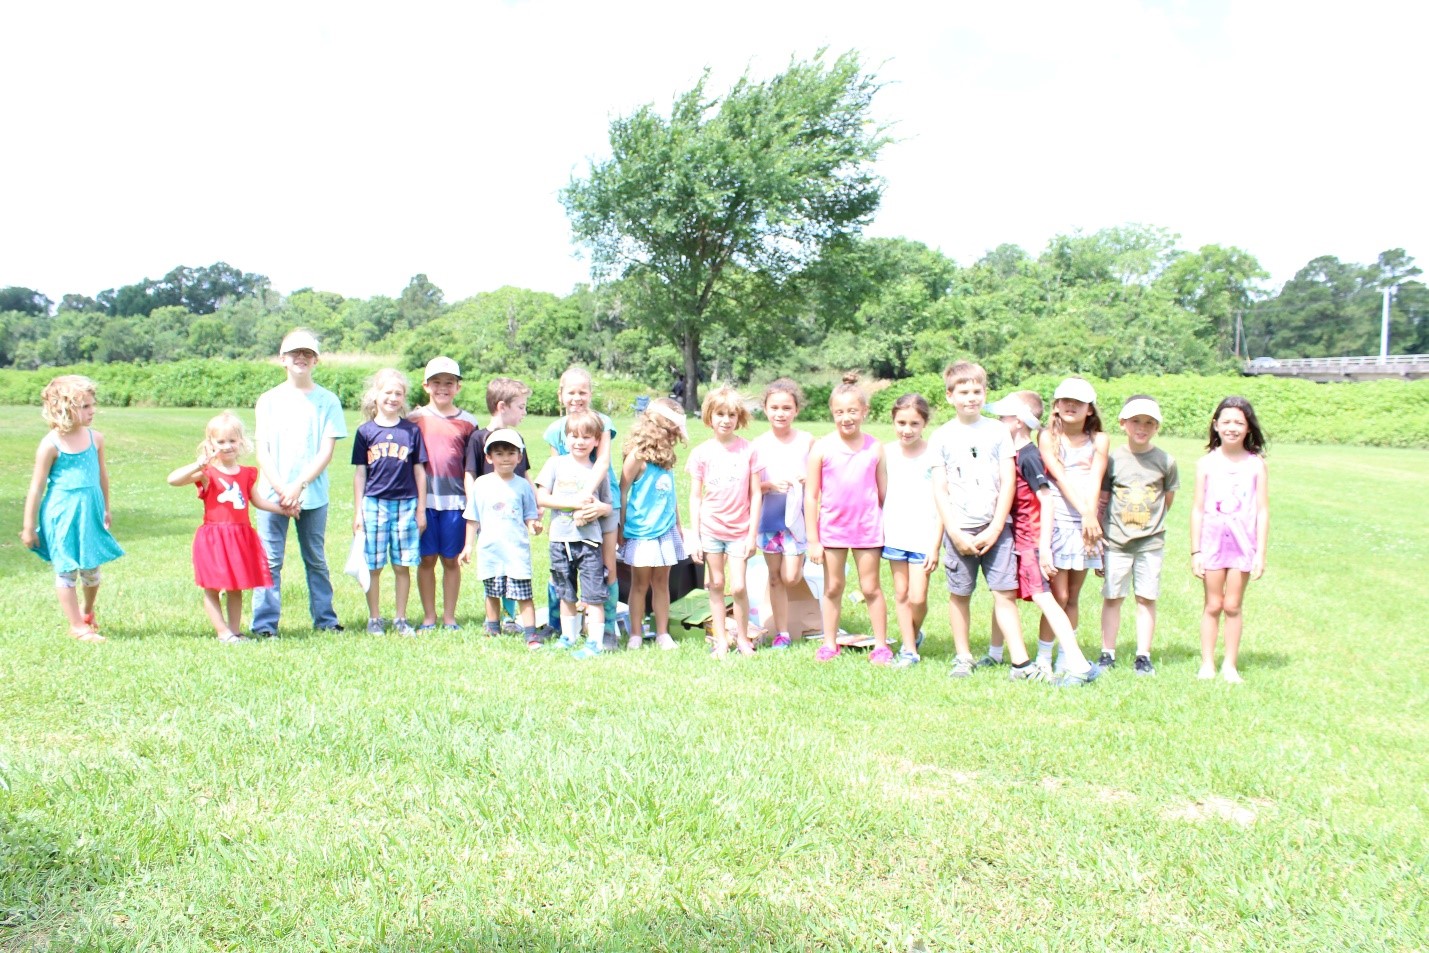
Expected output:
(1144, 666)
(1106, 662)
(781, 642)
(634, 643)
(905, 659)
(404, 628)
(335, 627)
(1068, 680)
(265, 634)
(376, 626)
(1028, 673)
(511, 627)
(427, 627)
(590, 650)
(919, 640)
(565, 642)
(987, 661)
(880, 656)
(963, 667)
(666, 641)
(827, 653)
(450, 627)
(231, 638)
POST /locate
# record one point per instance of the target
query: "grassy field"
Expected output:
(164, 792)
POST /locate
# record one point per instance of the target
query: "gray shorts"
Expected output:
(578, 573)
(1139, 570)
(999, 565)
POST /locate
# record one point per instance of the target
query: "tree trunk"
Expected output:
(690, 347)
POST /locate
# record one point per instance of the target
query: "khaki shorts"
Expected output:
(1140, 570)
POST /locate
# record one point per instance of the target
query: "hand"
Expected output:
(1198, 566)
(696, 553)
(1257, 566)
(1044, 562)
(1092, 537)
(421, 519)
(985, 540)
(751, 543)
(356, 519)
(930, 562)
(290, 497)
(106, 517)
(465, 557)
(30, 539)
(535, 527)
(816, 553)
(963, 543)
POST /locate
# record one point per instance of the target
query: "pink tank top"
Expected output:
(849, 514)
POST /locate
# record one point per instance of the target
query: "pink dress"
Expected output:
(1229, 512)
(850, 516)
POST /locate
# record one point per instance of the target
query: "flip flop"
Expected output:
(87, 635)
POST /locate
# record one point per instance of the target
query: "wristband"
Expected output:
(1195, 552)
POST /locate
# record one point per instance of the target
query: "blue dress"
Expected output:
(71, 524)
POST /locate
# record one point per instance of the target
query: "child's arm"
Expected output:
(1047, 510)
(1262, 521)
(881, 475)
(103, 472)
(813, 499)
(601, 465)
(258, 501)
(359, 488)
(420, 473)
(984, 541)
(694, 544)
(1091, 521)
(45, 456)
(191, 473)
(1198, 500)
(756, 511)
(961, 541)
(472, 529)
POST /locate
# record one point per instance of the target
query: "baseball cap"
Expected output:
(1075, 388)
(1012, 407)
(442, 365)
(299, 340)
(1141, 405)
(504, 435)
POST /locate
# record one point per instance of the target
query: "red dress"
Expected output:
(227, 553)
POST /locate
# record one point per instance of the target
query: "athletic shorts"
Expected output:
(445, 534)
(1030, 581)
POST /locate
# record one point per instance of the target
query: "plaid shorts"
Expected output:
(504, 587)
(391, 529)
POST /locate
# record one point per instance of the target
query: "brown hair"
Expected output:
(1032, 399)
(728, 399)
(849, 385)
(584, 423)
(506, 389)
(783, 385)
(960, 372)
(917, 401)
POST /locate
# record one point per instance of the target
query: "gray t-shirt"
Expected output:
(565, 476)
(1138, 484)
(971, 456)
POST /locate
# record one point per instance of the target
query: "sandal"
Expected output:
(87, 635)
(88, 619)
(231, 638)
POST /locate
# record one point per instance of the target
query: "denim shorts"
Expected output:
(895, 555)
(578, 573)
(733, 548)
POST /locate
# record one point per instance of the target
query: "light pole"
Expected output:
(1384, 325)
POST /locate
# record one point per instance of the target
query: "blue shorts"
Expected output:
(445, 535)
(391, 530)
(578, 573)
(896, 555)
(733, 548)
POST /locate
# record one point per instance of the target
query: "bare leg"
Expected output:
(401, 586)
(91, 593)
(1146, 625)
(778, 593)
(374, 590)
(1055, 619)
(451, 590)
(660, 597)
(1111, 623)
(734, 571)
(1215, 582)
(867, 562)
(1231, 605)
(427, 588)
(902, 608)
(831, 606)
(961, 622)
(214, 611)
(1004, 608)
(639, 586)
(235, 611)
(69, 605)
(714, 585)
(493, 613)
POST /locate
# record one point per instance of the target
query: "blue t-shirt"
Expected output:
(555, 436)
(501, 509)
(390, 455)
(651, 510)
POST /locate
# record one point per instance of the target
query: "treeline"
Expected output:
(1115, 302)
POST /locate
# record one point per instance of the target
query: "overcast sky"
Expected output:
(348, 146)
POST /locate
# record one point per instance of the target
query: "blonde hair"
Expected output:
(961, 372)
(1032, 399)
(783, 385)
(60, 398)
(226, 422)
(653, 436)
(507, 389)
(728, 399)
(375, 383)
(849, 385)
(574, 371)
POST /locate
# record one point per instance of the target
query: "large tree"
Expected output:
(711, 211)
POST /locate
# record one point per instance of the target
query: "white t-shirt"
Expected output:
(971, 456)
(908, 509)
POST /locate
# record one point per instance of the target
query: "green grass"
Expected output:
(164, 792)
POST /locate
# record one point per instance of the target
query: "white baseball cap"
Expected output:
(504, 435)
(1076, 388)
(1141, 405)
(299, 340)
(1012, 407)
(442, 365)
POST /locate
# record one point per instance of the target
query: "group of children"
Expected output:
(1033, 509)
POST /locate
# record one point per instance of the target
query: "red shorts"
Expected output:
(1030, 580)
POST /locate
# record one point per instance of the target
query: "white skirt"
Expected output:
(665, 550)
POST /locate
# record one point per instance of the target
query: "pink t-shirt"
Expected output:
(725, 471)
(849, 514)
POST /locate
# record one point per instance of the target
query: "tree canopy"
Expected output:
(708, 213)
